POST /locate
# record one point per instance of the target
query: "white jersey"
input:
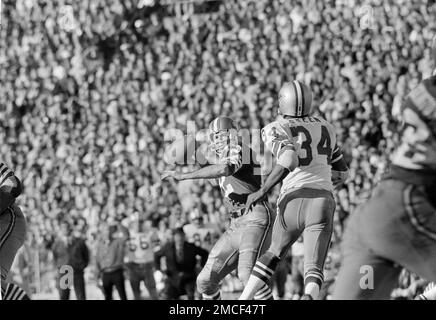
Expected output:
(203, 237)
(314, 141)
(140, 247)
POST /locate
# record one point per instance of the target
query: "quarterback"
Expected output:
(248, 234)
(12, 231)
(306, 152)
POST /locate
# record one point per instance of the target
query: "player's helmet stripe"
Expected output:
(296, 99)
(299, 98)
(303, 99)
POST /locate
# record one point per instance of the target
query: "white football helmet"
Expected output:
(295, 99)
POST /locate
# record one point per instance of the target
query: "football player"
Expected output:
(12, 231)
(306, 153)
(139, 259)
(249, 234)
(396, 227)
(200, 234)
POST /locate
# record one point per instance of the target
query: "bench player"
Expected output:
(201, 234)
(306, 152)
(248, 234)
(139, 259)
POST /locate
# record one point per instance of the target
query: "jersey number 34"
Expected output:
(324, 146)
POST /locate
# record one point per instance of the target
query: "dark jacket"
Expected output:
(78, 254)
(187, 267)
(110, 255)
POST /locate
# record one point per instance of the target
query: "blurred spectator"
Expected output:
(78, 259)
(70, 249)
(61, 257)
(110, 263)
(181, 264)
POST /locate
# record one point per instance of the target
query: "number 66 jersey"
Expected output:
(314, 141)
(140, 247)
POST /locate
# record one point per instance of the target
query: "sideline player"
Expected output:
(248, 234)
(141, 245)
(199, 233)
(12, 231)
(306, 152)
(396, 227)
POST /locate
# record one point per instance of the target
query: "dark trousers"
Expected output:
(79, 288)
(177, 286)
(142, 272)
(111, 279)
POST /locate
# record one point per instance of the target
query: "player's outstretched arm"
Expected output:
(209, 172)
(287, 161)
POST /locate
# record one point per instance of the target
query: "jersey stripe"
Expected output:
(337, 155)
(337, 159)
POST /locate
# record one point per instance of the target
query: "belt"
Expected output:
(239, 213)
(112, 269)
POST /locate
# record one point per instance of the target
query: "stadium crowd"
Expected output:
(89, 89)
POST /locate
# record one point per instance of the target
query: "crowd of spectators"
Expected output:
(89, 89)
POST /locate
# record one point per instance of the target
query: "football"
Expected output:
(181, 151)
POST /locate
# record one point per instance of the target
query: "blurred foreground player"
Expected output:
(249, 233)
(396, 227)
(307, 157)
(12, 231)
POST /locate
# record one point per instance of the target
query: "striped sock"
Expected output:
(314, 275)
(215, 296)
(13, 292)
(312, 282)
(260, 276)
(264, 293)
